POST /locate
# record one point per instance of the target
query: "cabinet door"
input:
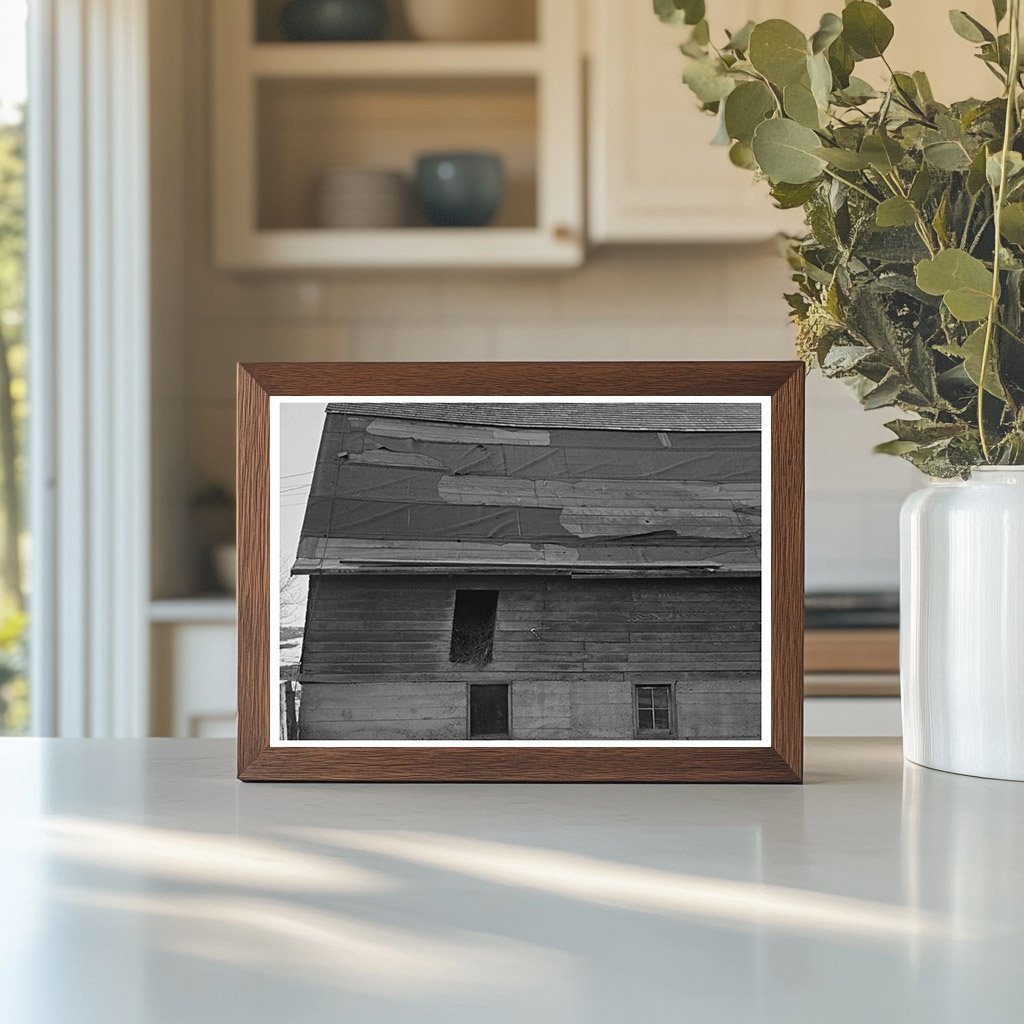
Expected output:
(654, 176)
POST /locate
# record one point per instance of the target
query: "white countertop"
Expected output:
(143, 885)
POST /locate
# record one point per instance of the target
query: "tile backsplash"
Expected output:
(699, 303)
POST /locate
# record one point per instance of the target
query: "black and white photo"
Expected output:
(513, 571)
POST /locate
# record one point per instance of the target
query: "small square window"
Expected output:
(653, 709)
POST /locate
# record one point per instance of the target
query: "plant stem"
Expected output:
(856, 188)
(1000, 198)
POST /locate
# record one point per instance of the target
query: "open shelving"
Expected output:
(285, 113)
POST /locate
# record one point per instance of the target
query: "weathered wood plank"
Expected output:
(503, 491)
(421, 430)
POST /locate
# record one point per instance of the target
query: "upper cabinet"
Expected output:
(653, 174)
(316, 143)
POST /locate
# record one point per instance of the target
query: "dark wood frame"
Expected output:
(782, 761)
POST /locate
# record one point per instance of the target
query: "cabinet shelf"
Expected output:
(403, 248)
(287, 113)
(393, 60)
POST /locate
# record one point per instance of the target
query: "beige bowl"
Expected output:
(471, 20)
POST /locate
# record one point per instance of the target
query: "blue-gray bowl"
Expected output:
(332, 21)
(461, 190)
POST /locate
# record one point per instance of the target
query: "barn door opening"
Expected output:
(473, 626)
(489, 716)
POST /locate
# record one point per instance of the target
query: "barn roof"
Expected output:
(606, 489)
(581, 415)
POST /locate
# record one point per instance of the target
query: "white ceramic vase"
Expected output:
(962, 624)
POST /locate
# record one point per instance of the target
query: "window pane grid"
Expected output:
(653, 712)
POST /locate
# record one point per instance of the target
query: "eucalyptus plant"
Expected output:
(910, 278)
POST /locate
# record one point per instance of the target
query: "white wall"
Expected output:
(667, 303)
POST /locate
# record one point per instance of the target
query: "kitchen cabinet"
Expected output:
(287, 113)
(653, 175)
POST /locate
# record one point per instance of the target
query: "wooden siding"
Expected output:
(375, 661)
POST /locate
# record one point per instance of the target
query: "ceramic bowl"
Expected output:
(360, 197)
(334, 20)
(460, 189)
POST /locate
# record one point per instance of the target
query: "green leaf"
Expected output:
(778, 50)
(829, 30)
(976, 174)
(1012, 225)
(708, 80)
(858, 91)
(820, 76)
(946, 156)
(882, 153)
(963, 281)
(921, 185)
(745, 108)
(675, 12)
(844, 159)
(885, 394)
(789, 197)
(999, 7)
(800, 105)
(896, 212)
(866, 29)
(785, 152)
(1014, 169)
(969, 28)
(741, 155)
(971, 352)
(841, 60)
(896, 447)
(924, 87)
(739, 41)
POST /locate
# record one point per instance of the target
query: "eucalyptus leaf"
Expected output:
(786, 152)
(789, 197)
(866, 30)
(969, 28)
(779, 51)
(829, 30)
(741, 155)
(1012, 225)
(844, 159)
(972, 353)
(963, 281)
(708, 81)
(739, 41)
(745, 108)
(883, 153)
(800, 105)
(841, 60)
(946, 156)
(675, 12)
(895, 212)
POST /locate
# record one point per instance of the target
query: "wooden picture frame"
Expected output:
(778, 758)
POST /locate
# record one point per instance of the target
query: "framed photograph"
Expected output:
(520, 572)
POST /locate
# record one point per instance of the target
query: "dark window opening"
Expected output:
(488, 711)
(473, 626)
(653, 710)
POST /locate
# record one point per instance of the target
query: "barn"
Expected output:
(533, 571)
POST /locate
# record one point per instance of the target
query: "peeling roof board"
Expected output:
(503, 491)
(657, 416)
(422, 430)
(485, 498)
